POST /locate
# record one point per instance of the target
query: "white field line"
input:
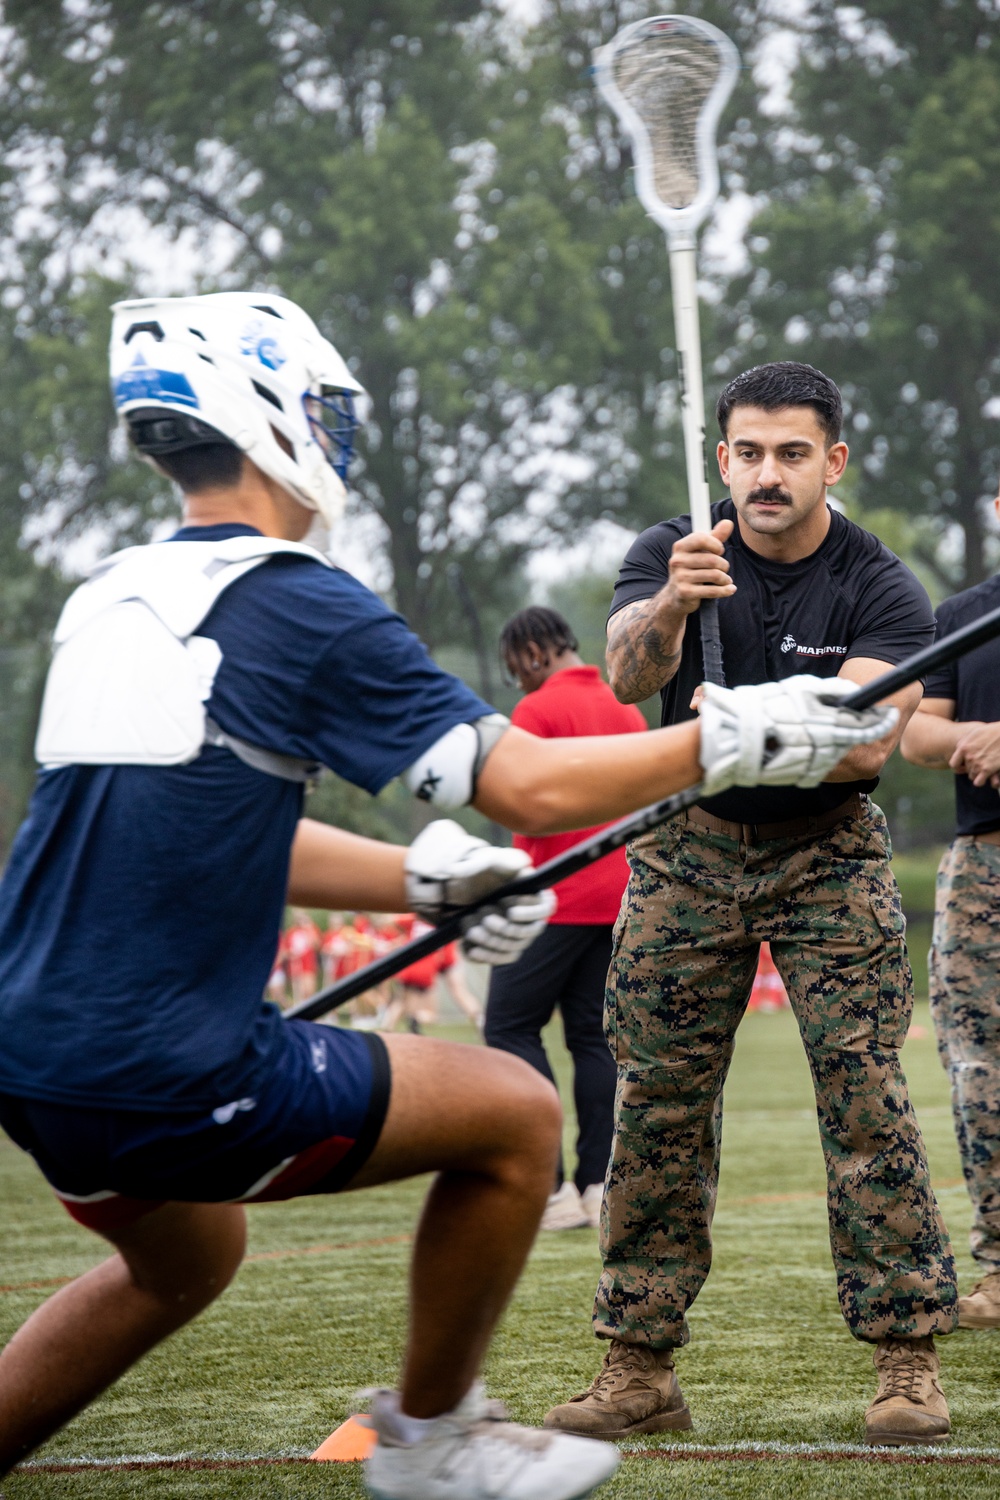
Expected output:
(122, 1460)
(780, 1450)
(745, 1451)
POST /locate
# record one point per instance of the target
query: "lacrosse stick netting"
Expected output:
(668, 78)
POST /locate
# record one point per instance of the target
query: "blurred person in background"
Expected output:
(566, 967)
(302, 954)
(957, 729)
(333, 948)
(416, 998)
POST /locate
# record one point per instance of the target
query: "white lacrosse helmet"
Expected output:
(244, 367)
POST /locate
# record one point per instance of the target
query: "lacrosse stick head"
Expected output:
(667, 78)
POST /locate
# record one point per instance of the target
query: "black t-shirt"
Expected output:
(973, 683)
(851, 597)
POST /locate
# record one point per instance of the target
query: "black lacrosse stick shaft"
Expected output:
(959, 643)
(711, 642)
(616, 834)
(568, 863)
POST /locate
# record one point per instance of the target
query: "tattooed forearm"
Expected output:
(644, 650)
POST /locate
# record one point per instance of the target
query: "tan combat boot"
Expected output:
(909, 1405)
(635, 1391)
(981, 1308)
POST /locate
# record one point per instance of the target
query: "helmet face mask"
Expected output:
(333, 421)
(244, 368)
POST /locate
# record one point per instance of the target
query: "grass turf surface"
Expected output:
(318, 1312)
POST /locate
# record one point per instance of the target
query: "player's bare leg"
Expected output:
(489, 1124)
(169, 1266)
(486, 1121)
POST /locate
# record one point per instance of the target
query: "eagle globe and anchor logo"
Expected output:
(789, 643)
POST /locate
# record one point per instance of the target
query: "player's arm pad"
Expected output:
(447, 773)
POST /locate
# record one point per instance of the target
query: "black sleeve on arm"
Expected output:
(647, 563)
(943, 681)
(894, 618)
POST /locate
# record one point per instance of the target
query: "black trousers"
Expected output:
(566, 967)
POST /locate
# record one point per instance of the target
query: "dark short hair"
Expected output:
(779, 385)
(189, 451)
(208, 467)
(546, 627)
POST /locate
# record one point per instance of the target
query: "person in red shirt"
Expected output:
(302, 951)
(334, 948)
(568, 965)
(417, 998)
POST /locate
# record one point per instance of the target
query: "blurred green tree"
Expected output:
(875, 252)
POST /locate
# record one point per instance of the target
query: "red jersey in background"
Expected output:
(576, 701)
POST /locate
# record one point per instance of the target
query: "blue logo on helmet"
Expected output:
(141, 382)
(258, 342)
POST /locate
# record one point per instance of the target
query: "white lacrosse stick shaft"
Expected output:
(683, 280)
(645, 73)
(684, 284)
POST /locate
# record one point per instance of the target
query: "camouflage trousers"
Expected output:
(965, 1004)
(686, 945)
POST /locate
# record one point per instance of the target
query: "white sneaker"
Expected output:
(565, 1210)
(592, 1198)
(473, 1453)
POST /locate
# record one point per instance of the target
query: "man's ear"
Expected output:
(836, 462)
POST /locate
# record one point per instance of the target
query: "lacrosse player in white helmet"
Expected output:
(197, 684)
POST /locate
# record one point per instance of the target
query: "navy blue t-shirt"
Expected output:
(141, 906)
(973, 684)
(851, 597)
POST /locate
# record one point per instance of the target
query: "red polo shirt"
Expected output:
(572, 702)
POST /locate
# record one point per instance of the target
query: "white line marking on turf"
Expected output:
(85, 1461)
(807, 1450)
(761, 1452)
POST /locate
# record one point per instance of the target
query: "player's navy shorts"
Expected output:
(311, 1124)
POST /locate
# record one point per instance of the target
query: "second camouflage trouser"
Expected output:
(698, 906)
(965, 1004)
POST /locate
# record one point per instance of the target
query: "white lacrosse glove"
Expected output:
(782, 733)
(447, 869)
(501, 933)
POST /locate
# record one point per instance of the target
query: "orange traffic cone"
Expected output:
(350, 1441)
(768, 992)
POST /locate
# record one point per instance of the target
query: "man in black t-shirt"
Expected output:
(958, 730)
(801, 589)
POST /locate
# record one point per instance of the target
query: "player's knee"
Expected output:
(534, 1124)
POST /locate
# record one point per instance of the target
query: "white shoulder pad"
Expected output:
(129, 680)
(178, 581)
(123, 690)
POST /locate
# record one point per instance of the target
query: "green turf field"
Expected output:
(318, 1312)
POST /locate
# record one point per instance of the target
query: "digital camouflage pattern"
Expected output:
(965, 1004)
(697, 907)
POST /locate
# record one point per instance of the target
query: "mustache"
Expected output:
(776, 496)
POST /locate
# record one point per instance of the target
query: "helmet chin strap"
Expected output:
(332, 498)
(319, 535)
